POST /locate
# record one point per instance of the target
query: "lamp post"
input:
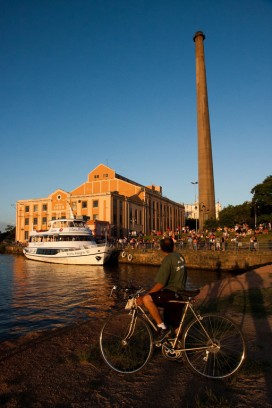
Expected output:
(195, 184)
(256, 207)
(196, 218)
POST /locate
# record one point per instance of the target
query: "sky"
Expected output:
(85, 82)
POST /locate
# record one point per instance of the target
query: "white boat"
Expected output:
(67, 241)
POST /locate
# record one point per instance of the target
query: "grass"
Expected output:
(91, 355)
(209, 399)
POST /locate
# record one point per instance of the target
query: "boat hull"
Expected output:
(97, 256)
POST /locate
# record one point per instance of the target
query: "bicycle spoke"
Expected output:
(224, 346)
(126, 343)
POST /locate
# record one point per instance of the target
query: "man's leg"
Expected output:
(152, 308)
(172, 314)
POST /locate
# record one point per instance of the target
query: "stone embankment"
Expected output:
(211, 260)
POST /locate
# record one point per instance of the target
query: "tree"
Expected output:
(211, 224)
(9, 235)
(262, 200)
(238, 214)
(9, 228)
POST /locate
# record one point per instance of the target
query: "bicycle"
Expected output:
(212, 345)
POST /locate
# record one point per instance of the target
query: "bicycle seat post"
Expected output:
(184, 312)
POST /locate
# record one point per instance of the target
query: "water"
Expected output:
(36, 296)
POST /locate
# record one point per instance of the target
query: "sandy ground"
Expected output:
(50, 370)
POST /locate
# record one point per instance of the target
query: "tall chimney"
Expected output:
(206, 196)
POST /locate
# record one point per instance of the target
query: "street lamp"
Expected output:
(196, 218)
(256, 207)
(195, 184)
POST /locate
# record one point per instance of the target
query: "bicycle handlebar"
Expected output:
(127, 291)
(133, 291)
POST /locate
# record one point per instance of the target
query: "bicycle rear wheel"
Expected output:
(126, 342)
(217, 346)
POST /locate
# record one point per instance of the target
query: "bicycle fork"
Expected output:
(131, 329)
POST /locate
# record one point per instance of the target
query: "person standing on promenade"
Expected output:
(171, 278)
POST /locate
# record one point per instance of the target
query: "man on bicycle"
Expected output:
(171, 278)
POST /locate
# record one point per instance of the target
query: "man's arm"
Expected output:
(158, 286)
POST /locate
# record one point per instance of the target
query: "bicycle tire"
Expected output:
(226, 355)
(126, 355)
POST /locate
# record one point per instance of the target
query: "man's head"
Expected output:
(167, 245)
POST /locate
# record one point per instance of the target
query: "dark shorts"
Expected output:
(172, 311)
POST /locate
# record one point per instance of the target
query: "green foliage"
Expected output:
(262, 200)
(211, 224)
(262, 194)
(9, 228)
(9, 235)
(258, 211)
(238, 214)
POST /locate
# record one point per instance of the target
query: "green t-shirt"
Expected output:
(172, 273)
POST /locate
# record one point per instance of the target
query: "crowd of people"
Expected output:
(236, 238)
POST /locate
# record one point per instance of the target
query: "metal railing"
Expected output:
(202, 246)
(227, 246)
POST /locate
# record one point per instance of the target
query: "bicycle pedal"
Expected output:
(162, 342)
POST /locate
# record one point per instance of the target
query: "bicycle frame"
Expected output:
(212, 345)
(198, 317)
(188, 306)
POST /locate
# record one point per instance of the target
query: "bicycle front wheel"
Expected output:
(214, 346)
(126, 342)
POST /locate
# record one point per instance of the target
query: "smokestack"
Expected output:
(206, 194)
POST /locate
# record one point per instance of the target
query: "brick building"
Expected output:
(127, 206)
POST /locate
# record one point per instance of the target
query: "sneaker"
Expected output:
(162, 334)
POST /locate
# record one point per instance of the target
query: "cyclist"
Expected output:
(170, 279)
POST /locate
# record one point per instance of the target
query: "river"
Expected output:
(37, 296)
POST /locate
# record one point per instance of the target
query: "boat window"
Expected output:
(74, 238)
(47, 251)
